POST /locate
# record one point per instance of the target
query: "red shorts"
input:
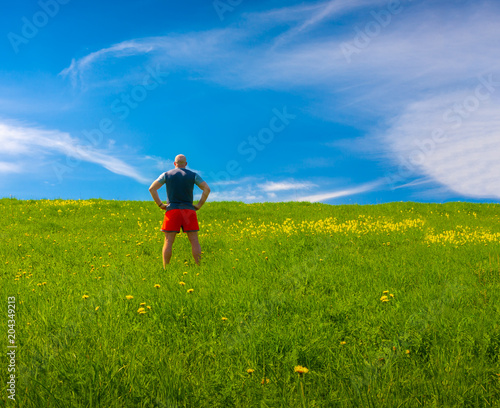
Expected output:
(176, 219)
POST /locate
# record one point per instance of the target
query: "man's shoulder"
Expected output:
(182, 171)
(161, 177)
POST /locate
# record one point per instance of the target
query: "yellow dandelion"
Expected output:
(265, 381)
(301, 370)
(97, 308)
(141, 310)
(182, 283)
(391, 295)
(157, 286)
(384, 298)
(129, 297)
(385, 292)
(190, 290)
(342, 343)
(149, 307)
(85, 296)
(250, 371)
(224, 319)
(407, 351)
(143, 304)
(184, 273)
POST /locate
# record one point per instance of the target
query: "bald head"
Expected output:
(180, 161)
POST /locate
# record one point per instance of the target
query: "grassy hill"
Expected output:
(394, 305)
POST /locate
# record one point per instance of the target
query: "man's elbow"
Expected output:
(206, 190)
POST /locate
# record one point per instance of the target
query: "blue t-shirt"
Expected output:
(180, 184)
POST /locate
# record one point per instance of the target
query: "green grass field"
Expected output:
(394, 305)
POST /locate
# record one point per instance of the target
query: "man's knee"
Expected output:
(169, 238)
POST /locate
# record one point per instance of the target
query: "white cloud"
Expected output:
(124, 49)
(160, 163)
(242, 181)
(22, 143)
(305, 17)
(414, 183)
(328, 195)
(272, 186)
(460, 152)
(277, 191)
(380, 76)
(251, 189)
(6, 167)
(236, 195)
(404, 78)
(190, 50)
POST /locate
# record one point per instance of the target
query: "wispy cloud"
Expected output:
(160, 163)
(415, 183)
(400, 78)
(22, 143)
(190, 50)
(309, 16)
(460, 152)
(124, 49)
(389, 67)
(244, 181)
(6, 168)
(329, 195)
(237, 194)
(279, 191)
(273, 186)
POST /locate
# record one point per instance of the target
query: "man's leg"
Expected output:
(167, 247)
(195, 245)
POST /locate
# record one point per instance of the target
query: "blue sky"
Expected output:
(364, 101)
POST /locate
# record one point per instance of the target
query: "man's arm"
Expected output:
(204, 195)
(153, 189)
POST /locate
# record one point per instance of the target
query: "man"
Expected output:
(180, 211)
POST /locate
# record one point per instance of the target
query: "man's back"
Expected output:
(180, 184)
